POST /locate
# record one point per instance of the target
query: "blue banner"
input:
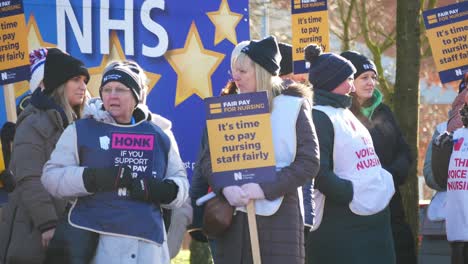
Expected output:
(183, 46)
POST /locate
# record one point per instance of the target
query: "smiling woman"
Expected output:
(390, 146)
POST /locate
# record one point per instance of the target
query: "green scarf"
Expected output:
(374, 101)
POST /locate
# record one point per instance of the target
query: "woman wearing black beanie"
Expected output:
(31, 214)
(352, 191)
(278, 216)
(390, 146)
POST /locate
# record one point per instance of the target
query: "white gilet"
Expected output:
(283, 123)
(354, 159)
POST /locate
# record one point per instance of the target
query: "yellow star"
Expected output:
(115, 53)
(194, 66)
(225, 22)
(35, 41)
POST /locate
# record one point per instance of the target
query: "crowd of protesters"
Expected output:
(75, 197)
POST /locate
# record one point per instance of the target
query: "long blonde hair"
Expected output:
(72, 112)
(264, 80)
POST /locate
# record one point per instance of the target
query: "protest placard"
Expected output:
(309, 25)
(447, 31)
(14, 59)
(240, 139)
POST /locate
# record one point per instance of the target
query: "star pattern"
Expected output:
(225, 22)
(115, 53)
(194, 66)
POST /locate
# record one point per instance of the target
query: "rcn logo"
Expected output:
(237, 176)
(4, 76)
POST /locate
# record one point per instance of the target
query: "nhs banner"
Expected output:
(183, 45)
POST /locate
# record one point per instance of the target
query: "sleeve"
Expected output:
(62, 176)
(427, 169)
(199, 185)
(306, 163)
(176, 172)
(441, 153)
(336, 189)
(402, 159)
(29, 145)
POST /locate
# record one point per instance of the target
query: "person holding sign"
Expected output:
(450, 167)
(122, 171)
(352, 190)
(199, 184)
(390, 146)
(280, 228)
(31, 214)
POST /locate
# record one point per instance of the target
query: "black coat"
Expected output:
(395, 156)
(393, 152)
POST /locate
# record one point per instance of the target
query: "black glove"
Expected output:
(153, 190)
(107, 179)
(6, 177)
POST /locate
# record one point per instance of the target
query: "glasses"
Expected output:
(117, 91)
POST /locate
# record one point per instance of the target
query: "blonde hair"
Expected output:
(237, 50)
(264, 80)
(60, 97)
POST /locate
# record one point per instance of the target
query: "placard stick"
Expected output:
(10, 102)
(253, 232)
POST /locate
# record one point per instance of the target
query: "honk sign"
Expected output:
(132, 141)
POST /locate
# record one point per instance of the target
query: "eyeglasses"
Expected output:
(117, 90)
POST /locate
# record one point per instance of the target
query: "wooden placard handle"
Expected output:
(253, 232)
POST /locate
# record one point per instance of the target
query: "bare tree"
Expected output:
(344, 24)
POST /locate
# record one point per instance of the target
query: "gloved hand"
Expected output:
(253, 190)
(9, 183)
(444, 139)
(107, 179)
(441, 151)
(235, 195)
(154, 190)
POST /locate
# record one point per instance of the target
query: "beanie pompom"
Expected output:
(312, 52)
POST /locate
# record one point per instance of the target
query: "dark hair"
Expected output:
(356, 109)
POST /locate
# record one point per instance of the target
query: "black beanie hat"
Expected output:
(327, 70)
(360, 62)
(59, 68)
(265, 53)
(126, 73)
(286, 59)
